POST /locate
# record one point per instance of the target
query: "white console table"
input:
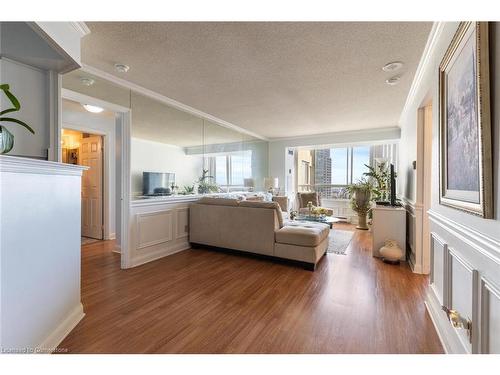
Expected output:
(388, 223)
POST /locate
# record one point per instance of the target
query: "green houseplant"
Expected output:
(380, 177)
(188, 189)
(6, 137)
(361, 193)
(205, 185)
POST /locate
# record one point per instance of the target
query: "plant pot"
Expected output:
(362, 222)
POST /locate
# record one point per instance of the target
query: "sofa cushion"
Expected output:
(305, 198)
(219, 201)
(272, 205)
(303, 234)
(282, 201)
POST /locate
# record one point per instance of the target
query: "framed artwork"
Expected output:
(465, 127)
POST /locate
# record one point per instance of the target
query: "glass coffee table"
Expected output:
(324, 219)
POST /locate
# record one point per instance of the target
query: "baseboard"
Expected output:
(146, 258)
(112, 236)
(449, 339)
(117, 249)
(415, 268)
(57, 336)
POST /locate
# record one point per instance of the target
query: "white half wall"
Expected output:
(149, 156)
(39, 253)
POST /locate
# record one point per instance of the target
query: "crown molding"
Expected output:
(169, 101)
(347, 132)
(81, 28)
(430, 46)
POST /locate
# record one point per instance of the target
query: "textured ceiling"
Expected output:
(276, 79)
(151, 119)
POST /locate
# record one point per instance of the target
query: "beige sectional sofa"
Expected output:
(256, 227)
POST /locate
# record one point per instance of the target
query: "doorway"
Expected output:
(88, 149)
(427, 186)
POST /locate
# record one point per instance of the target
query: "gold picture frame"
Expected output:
(465, 124)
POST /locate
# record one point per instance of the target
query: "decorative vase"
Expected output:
(362, 222)
(391, 252)
(6, 140)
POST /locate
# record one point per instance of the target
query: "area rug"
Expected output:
(339, 241)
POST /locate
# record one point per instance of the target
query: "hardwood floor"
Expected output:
(202, 301)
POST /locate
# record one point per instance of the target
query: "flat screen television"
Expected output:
(393, 186)
(157, 183)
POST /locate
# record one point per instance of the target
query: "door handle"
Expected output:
(458, 321)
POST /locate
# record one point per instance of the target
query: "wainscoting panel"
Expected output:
(463, 295)
(465, 276)
(439, 252)
(154, 228)
(490, 318)
(182, 223)
(158, 228)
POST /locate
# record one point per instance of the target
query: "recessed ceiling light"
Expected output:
(392, 66)
(122, 68)
(86, 81)
(393, 80)
(93, 108)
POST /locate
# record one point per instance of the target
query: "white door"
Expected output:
(91, 156)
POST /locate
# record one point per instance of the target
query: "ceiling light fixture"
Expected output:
(121, 68)
(392, 66)
(86, 81)
(393, 80)
(93, 108)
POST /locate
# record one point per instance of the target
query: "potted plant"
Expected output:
(380, 177)
(206, 186)
(188, 190)
(361, 193)
(6, 137)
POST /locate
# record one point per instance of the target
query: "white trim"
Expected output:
(488, 246)
(437, 29)
(164, 99)
(62, 330)
(112, 236)
(15, 164)
(347, 132)
(125, 118)
(160, 253)
(85, 99)
(446, 333)
(81, 28)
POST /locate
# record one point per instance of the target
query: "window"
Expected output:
(221, 170)
(304, 173)
(340, 169)
(231, 169)
(360, 157)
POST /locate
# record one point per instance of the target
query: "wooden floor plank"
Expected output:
(204, 301)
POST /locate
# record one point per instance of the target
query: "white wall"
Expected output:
(278, 148)
(30, 86)
(39, 252)
(149, 156)
(73, 117)
(465, 249)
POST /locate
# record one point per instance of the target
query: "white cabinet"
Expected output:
(389, 223)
